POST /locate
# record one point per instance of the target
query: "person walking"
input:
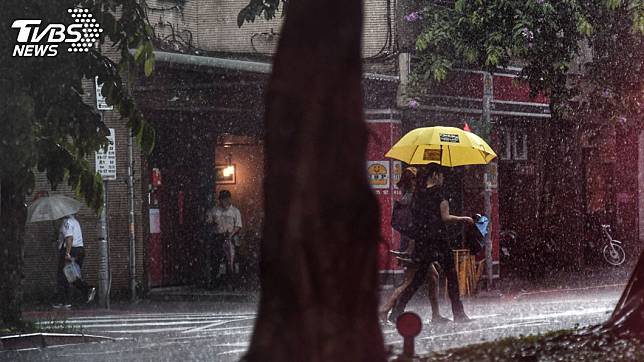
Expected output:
(228, 224)
(406, 184)
(430, 213)
(71, 248)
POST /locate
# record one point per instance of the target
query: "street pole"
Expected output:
(103, 255)
(487, 180)
(130, 191)
(103, 251)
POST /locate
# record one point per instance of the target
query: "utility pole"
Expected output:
(103, 247)
(130, 191)
(103, 255)
(487, 181)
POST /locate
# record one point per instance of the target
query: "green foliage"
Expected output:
(258, 8)
(544, 37)
(47, 123)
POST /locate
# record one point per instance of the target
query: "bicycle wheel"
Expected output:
(614, 254)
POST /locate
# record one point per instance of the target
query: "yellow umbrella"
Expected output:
(447, 146)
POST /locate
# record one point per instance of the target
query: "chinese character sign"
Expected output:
(106, 159)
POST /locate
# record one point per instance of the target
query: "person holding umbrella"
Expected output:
(430, 212)
(70, 245)
(436, 148)
(71, 249)
(407, 184)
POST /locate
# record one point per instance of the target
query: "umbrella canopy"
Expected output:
(52, 208)
(447, 146)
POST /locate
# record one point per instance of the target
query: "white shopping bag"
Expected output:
(72, 271)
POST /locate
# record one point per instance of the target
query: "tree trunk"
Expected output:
(628, 316)
(13, 214)
(318, 266)
(557, 243)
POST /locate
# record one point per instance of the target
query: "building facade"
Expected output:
(206, 102)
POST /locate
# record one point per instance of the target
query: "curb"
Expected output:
(42, 340)
(179, 295)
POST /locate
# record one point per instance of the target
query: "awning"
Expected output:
(239, 65)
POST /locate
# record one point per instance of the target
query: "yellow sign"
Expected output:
(378, 173)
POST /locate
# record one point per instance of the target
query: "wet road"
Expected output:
(193, 331)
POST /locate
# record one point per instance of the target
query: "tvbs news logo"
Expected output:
(36, 39)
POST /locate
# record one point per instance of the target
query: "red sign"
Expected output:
(383, 174)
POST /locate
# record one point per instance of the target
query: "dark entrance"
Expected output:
(191, 108)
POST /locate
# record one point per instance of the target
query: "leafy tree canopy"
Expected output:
(542, 36)
(47, 125)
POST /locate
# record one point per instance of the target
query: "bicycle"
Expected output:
(613, 252)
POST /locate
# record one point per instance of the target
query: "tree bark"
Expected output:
(318, 267)
(13, 214)
(628, 316)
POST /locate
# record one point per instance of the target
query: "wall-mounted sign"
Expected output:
(106, 159)
(395, 176)
(378, 173)
(155, 221)
(101, 103)
(491, 177)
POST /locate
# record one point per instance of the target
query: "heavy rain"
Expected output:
(272, 180)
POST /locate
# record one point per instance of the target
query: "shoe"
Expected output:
(405, 261)
(462, 318)
(91, 295)
(392, 318)
(61, 306)
(382, 316)
(403, 254)
(440, 320)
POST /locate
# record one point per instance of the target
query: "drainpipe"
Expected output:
(130, 191)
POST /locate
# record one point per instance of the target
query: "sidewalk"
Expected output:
(188, 297)
(589, 278)
(191, 293)
(586, 281)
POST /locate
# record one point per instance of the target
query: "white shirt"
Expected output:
(70, 227)
(227, 219)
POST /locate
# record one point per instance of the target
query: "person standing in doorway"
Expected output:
(71, 248)
(228, 224)
(430, 213)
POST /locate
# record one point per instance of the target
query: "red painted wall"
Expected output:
(383, 174)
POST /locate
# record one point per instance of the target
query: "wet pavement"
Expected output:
(220, 331)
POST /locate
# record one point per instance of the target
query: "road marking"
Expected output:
(216, 324)
(138, 324)
(617, 288)
(505, 326)
(208, 327)
(234, 351)
(569, 313)
(147, 324)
